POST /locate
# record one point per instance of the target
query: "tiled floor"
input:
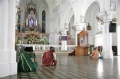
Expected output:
(75, 67)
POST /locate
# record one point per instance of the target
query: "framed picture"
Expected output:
(112, 5)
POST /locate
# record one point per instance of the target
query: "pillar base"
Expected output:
(8, 64)
(107, 54)
(64, 45)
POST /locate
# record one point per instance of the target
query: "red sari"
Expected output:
(48, 58)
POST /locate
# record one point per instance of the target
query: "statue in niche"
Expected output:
(83, 40)
(31, 20)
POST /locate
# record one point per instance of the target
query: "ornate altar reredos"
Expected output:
(31, 20)
(31, 33)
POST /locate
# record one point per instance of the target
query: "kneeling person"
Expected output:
(27, 61)
(49, 58)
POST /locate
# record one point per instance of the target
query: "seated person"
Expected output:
(100, 48)
(26, 61)
(95, 54)
(49, 58)
(72, 53)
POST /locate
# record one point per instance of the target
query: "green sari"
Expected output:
(25, 63)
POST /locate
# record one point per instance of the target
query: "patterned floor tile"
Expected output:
(74, 67)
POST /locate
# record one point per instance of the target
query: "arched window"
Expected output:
(43, 21)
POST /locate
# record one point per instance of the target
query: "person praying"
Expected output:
(49, 58)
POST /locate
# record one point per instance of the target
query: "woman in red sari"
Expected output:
(49, 58)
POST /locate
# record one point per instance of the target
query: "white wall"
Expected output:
(98, 40)
(0, 19)
(118, 40)
(114, 35)
(90, 38)
(90, 17)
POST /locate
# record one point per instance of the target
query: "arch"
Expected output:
(71, 31)
(91, 14)
(70, 14)
(84, 5)
(92, 3)
(90, 17)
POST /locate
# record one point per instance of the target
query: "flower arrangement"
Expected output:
(31, 37)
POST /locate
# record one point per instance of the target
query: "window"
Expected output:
(43, 21)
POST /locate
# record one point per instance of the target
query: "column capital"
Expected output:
(105, 16)
(63, 32)
(79, 26)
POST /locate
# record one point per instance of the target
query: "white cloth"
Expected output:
(54, 54)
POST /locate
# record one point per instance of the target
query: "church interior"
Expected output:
(66, 25)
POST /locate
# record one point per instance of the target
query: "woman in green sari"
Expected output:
(27, 62)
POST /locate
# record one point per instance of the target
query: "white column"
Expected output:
(4, 55)
(61, 21)
(4, 24)
(11, 36)
(118, 42)
(8, 65)
(64, 42)
(51, 25)
(107, 42)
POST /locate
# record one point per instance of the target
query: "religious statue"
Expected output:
(31, 20)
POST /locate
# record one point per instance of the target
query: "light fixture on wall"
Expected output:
(100, 20)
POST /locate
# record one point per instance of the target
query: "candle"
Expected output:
(36, 22)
